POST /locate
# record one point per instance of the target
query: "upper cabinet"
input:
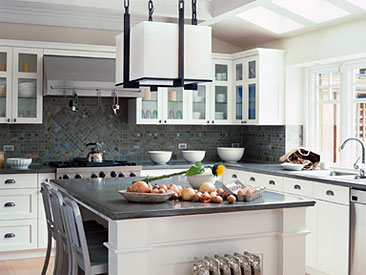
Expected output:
(21, 71)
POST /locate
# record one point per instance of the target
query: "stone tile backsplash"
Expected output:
(63, 135)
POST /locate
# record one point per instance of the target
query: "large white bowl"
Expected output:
(197, 180)
(160, 157)
(230, 154)
(19, 163)
(193, 156)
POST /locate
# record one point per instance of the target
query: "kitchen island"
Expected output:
(163, 238)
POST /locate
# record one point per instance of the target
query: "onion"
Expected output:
(140, 187)
(188, 194)
(207, 187)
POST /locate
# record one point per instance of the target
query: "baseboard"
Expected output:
(24, 254)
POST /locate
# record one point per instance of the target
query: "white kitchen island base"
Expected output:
(167, 245)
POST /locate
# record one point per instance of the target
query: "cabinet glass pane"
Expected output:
(221, 71)
(239, 71)
(251, 69)
(27, 97)
(199, 103)
(27, 63)
(221, 102)
(239, 102)
(175, 103)
(360, 76)
(252, 102)
(149, 105)
(3, 64)
(2, 97)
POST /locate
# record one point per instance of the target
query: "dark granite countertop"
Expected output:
(33, 169)
(314, 175)
(103, 197)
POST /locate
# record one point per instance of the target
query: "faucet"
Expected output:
(362, 171)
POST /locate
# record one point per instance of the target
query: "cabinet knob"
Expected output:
(213, 121)
(272, 182)
(329, 193)
(252, 179)
(297, 187)
(234, 176)
(9, 235)
(244, 122)
(10, 181)
(15, 120)
(159, 120)
(164, 121)
(8, 119)
(208, 121)
(9, 204)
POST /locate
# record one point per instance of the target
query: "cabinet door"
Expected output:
(251, 90)
(199, 105)
(221, 95)
(149, 108)
(333, 234)
(5, 84)
(174, 106)
(238, 94)
(27, 84)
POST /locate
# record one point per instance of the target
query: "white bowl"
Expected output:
(19, 163)
(230, 154)
(196, 115)
(27, 92)
(292, 166)
(197, 180)
(160, 157)
(193, 156)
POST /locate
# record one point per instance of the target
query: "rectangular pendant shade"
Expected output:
(154, 54)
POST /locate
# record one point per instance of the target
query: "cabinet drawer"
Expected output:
(18, 235)
(10, 181)
(298, 187)
(18, 204)
(331, 193)
(270, 182)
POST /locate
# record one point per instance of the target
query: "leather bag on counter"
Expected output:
(302, 156)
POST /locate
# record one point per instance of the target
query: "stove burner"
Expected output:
(82, 162)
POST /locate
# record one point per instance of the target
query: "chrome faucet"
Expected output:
(362, 171)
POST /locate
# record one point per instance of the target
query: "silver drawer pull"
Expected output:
(272, 182)
(234, 176)
(10, 181)
(9, 204)
(9, 235)
(329, 193)
(252, 179)
(297, 187)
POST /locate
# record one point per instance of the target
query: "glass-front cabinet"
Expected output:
(199, 105)
(174, 105)
(21, 72)
(221, 92)
(149, 107)
(5, 84)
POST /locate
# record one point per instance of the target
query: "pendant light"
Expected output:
(157, 54)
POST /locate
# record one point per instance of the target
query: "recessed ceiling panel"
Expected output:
(270, 20)
(317, 11)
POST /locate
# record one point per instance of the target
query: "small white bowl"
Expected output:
(230, 154)
(19, 163)
(196, 115)
(193, 156)
(160, 157)
(197, 180)
(292, 166)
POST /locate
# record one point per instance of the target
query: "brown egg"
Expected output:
(249, 192)
(231, 199)
(219, 190)
(241, 192)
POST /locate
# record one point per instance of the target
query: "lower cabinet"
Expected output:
(327, 244)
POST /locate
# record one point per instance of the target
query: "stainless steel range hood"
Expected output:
(86, 76)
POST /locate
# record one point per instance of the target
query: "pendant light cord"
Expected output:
(127, 5)
(194, 12)
(151, 9)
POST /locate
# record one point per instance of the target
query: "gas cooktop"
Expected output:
(82, 162)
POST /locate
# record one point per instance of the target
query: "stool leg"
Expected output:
(48, 254)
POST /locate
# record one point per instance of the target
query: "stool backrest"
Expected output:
(57, 202)
(45, 191)
(76, 234)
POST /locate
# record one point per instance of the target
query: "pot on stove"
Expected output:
(96, 154)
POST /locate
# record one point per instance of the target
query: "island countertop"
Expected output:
(102, 196)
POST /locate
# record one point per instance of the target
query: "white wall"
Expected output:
(323, 46)
(219, 46)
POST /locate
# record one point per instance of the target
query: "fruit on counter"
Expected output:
(207, 187)
(188, 194)
(140, 187)
(231, 199)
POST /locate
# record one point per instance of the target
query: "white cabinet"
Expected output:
(258, 87)
(21, 85)
(199, 105)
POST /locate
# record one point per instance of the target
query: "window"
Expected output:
(336, 110)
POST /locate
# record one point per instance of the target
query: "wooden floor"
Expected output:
(31, 266)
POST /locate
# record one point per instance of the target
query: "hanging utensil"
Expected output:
(115, 105)
(73, 103)
(99, 100)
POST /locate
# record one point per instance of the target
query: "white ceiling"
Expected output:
(220, 14)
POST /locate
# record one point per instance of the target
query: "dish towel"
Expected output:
(302, 156)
